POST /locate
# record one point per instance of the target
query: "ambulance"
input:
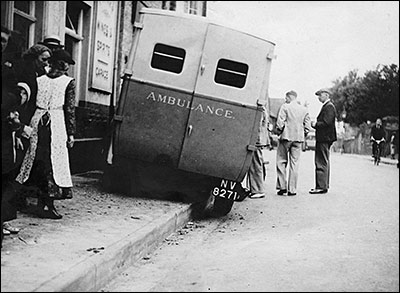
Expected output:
(188, 116)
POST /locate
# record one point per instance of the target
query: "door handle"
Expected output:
(190, 128)
(202, 68)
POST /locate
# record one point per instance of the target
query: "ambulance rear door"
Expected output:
(223, 123)
(159, 93)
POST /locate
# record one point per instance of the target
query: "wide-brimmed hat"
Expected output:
(62, 55)
(52, 41)
(324, 90)
(26, 87)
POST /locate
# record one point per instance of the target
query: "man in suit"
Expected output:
(325, 135)
(294, 124)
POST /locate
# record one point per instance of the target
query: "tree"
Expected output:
(370, 97)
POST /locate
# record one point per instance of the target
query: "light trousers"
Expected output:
(257, 173)
(287, 157)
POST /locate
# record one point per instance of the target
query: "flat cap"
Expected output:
(324, 90)
(291, 93)
(63, 55)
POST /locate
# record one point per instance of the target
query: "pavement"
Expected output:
(99, 235)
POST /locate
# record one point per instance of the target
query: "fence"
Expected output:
(356, 140)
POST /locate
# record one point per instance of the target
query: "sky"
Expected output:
(316, 42)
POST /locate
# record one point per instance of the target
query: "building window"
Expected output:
(76, 19)
(192, 9)
(195, 7)
(19, 16)
(204, 8)
(23, 6)
(169, 5)
(231, 73)
(74, 24)
(168, 58)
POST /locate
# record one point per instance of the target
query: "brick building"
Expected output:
(98, 34)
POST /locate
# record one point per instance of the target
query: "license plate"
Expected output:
(226, 189)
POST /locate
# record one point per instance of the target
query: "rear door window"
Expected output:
(231, 73)
(168, 58)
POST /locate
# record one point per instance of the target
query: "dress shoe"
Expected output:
(281, 192)
(49, 214)
(243, 195)
(291, 193)
(7, 226)
(318, 191)
(257, 195)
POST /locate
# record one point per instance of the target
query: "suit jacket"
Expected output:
(294, 121)
(325, 129)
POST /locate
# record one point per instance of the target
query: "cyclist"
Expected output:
(378, 135)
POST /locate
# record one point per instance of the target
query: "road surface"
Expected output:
(345, 240)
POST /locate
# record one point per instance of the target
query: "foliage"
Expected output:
(375, 95)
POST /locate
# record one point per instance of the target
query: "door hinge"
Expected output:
(138, 25)
(251, 148)
(271, 56)
(118, 118)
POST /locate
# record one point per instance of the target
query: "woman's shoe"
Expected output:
(7, 226)
(49, 213)
(67, 193)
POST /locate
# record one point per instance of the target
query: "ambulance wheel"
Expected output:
(220, 206)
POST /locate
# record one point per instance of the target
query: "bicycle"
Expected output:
(377, 147)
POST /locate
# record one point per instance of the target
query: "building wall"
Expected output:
(94, 107)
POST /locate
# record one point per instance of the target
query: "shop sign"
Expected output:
(104, 46)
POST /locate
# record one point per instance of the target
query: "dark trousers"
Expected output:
(375, 149)
(322, 164)
(8, 206)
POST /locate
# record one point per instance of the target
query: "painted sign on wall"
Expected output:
(104, 46)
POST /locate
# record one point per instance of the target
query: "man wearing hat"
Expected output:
(293, 123)
(52, 42)
(325, 135)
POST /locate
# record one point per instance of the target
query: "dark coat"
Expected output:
(325, 125)
(10, 101)
(378, 133)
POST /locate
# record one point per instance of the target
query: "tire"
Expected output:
(220, 207)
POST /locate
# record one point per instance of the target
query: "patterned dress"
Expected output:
(55, 98)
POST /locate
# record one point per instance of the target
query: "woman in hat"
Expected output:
(46, 162)
(28, 69)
